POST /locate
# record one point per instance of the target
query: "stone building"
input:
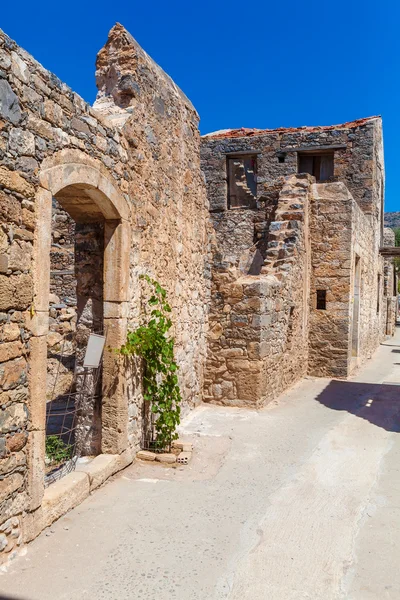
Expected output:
(298, 280)
(272, 267)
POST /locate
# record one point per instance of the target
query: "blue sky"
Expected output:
(242, 64)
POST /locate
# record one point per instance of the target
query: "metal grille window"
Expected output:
(242, 183)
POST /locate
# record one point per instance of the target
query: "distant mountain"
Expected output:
(392, 219)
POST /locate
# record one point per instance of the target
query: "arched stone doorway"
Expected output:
(84, 189)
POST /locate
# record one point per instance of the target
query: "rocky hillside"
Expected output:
(392, 219)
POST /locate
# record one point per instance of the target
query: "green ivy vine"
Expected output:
(56, 450)
(155, 346)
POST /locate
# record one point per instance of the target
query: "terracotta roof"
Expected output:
(246, 132)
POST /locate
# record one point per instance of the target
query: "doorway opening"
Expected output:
(356, 308)
(73, 394)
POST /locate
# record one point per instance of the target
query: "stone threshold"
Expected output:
(68, 492)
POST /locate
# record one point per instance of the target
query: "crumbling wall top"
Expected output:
(123, 69)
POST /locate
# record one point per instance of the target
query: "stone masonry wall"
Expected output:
(39, 116)
(167, 194)
(339, 224)
(389, 285)
(340, 232)
(358, 158)
(143, 136)
(331, 249)
(258, 338)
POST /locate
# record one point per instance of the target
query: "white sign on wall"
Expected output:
(94, 350)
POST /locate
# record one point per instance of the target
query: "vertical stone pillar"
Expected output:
(38, 348)
(116, 295)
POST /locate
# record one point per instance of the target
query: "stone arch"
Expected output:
(74, 168)
(84, 186)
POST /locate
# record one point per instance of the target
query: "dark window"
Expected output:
(281, 157)
(242, 183)
(319, 165)
(321, 299)
(379, 294)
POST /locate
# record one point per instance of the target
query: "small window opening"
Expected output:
(321, 299)
(321, 166)
(242, 181)
(290, 325)
(281, 157)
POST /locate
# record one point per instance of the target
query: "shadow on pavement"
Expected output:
(377, 403)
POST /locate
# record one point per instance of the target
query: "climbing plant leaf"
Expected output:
(154, 344)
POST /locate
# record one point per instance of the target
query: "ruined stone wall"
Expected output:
(340, 232)
(372, 307)
(39, 116)
(350, 215)
(258, 339)
(331, 250)
(154, 165)
(389, 285)
(167, 192)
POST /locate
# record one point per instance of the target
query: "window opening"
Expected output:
(242, 183)
(321, 166)
(378, 295)
(281, 157)
(321, 299)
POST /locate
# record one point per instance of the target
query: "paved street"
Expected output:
(300, 500)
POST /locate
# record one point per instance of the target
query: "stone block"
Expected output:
(41, 127)
(13, 181)
(166, 458)
(15, 291)
(146, 455)
(10, 332)
(53, 112)
(12, 462)
(63, 495)
(38, 382)
(32, 524)
(36, 455)
(10, 350)
(257, 350)
(22, 142)
(10, 484)
(10, 211)
(125, 459)
(38, 323)
(100, 469)
(239, 365)
(216, 331)
(10, 109)
(16, 442)
(4, 263)
(13, 373)
(184, 446)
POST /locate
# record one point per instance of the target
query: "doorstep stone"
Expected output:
(63, 495)
(146, 455)
(166, 458)
(100, 469)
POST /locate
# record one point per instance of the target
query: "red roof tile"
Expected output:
(246, 132)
